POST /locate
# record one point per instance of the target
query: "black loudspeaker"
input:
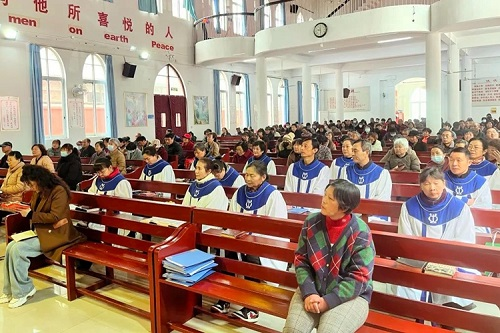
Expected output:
(347, 91)
(235, 80)
(128, 70)
(294, 9)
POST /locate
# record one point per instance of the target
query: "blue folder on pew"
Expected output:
(187, 280)
(188, 261)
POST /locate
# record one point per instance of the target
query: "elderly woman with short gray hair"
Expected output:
(117, 157)
(401, 157)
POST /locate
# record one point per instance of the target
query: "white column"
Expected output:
(339, 95)
(453, 83)
(261, 118)
(467, 89)
(306, 94)
(433, 80)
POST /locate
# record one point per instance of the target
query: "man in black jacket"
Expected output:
(174, 148)
(87, 149)
(415, 143)
(6, 149)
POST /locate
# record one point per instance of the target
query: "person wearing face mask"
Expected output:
(259, 154)
(227, 176)
(133, 153)
(69, 167)
(438, 159)
(117, 157)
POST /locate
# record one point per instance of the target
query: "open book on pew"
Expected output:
(14, 206)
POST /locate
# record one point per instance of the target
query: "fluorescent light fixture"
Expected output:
(321, 50)
(133, 48)
(10, 34)
(144, 55)
(393, 40)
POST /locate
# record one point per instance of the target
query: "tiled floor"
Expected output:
(52, 313)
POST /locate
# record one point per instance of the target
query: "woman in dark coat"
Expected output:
(69, 167)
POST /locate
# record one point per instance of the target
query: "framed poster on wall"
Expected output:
(200, 106)
(135, 109)
(9, 113)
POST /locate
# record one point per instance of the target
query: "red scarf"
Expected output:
(112, 175)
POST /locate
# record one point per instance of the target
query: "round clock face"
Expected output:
(320, 30)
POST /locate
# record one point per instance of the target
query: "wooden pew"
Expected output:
(176, 304)
(131, 257)
(3, 172)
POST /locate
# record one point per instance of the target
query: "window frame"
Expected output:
(93, 83)
(225, 119)
(168, 76)
(64, 107)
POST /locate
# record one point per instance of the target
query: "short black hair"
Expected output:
(483, 142)
(219, 165)
(243, 145)
(131, 146)
(461, 150)
(141, 138)
(149, 150)
(209, 164)
(100, 144)
(261, 144)
(17, 155)
(41, 147)
(433, 172)
(169, 136)
(101, 163)
(346, 194)
(314, 142)
(200, 146)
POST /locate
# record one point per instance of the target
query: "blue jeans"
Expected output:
(16, 282)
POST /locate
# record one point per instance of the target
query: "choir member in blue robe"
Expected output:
(342, 161)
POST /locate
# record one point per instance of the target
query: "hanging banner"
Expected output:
(486, 92)
(9, 113)
(75, 111)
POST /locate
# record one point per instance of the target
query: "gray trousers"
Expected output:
(344, 318)
(16, 282)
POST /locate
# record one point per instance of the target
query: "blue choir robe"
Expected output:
(266, 201)
(160, 171)
(489, 171)
(206, 193)
(312, 178)
(232, 178)
(450, 219)
(271, 167)
(337, 166)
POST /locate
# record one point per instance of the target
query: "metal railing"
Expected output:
(285, 12)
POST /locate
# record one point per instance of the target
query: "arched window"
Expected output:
(241, 104)
(267, 17)
(300, 18)
(96, 117)
(314, 101)
(169, 82)
(279, 16)
(270, 109)
(54, 94)
(281, 102)
(418, 103)
(224, 101)
(238, 19)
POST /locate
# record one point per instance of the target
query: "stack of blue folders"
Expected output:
(188, 267)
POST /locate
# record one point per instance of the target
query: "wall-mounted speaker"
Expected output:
(347, 91)
(128, 70)
(235, 80)
(294, 9)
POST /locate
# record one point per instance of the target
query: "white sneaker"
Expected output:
(17, 302)
(5, 299)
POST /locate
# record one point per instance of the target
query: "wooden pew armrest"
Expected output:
(16, 223)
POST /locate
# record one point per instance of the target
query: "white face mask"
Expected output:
(367, 130)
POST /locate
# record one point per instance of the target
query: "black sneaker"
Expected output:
(221, 307)
(247, 315)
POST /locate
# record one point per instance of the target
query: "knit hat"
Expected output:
(288, 137)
